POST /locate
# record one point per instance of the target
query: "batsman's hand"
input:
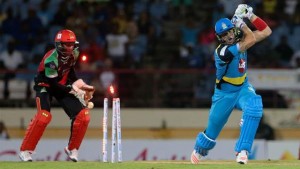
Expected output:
(237, 21)
(244, 11)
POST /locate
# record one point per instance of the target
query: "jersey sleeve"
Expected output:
(58, 87)
(51, 69)
(234, 49)
(225, 53)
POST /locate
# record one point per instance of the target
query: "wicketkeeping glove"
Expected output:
(244, 11)
(89, 91)
(83, 91)
(79, 94)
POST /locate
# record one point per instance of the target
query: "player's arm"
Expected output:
(263, 30)
(248, 39)
(52, 77)
(246, 11)
(53, 82)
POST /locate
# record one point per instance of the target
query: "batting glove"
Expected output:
(237, 21)
(244, 11)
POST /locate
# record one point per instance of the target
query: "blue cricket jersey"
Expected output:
(231, 67)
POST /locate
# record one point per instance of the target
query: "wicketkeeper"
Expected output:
(56, 78)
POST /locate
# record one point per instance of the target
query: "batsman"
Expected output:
(232, 89)
(56, 78)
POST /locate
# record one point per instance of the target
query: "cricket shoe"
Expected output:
(242, 157)
(25, 155)
(195, 157)
(72, 154)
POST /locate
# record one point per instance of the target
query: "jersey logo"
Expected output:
(58, 36)
(251, 89)
(43, 90)
(242, 66)
(52, 65)
(224, 26)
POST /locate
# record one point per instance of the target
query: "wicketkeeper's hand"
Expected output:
(244, 11)
(89, 92)
(79, 94)
(83, 91)
(237, 21)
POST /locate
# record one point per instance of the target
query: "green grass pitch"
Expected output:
(253, 164)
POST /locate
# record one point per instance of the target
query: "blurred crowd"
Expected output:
(128, 31)
(138, 34)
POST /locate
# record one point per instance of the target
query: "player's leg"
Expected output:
(252, 107)
(36, 127)
(222, 106)
(220, 111)
(80, 119)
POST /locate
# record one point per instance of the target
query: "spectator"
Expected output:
(132, 30)
(137, 45)
(139, 7)
(107, 77)
(264, 130)
(61, 15)
(269, 6)
(3, 131)
(229, 6)
(146, 29)
(218, 12)
(45, 13)
(188, 35)
(263, 56)
(182, 8)
(137, 50)
(116, 46)
(30, 32)
(158, 11)
(289, 11)
(295, 61)
(296, 16)
(94, 50)
(121, 20)
(34, 22)
(207, 44)
(11, 59)
(11, 24)
(285, 51)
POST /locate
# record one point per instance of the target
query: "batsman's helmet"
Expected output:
(223, 25)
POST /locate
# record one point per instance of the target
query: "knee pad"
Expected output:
(78, 129)
(254, 107)
(204, 144)
(35, 130)
(251, 116)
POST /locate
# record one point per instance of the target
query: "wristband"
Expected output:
(259, 24)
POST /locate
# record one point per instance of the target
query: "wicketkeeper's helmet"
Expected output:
(65, 42)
